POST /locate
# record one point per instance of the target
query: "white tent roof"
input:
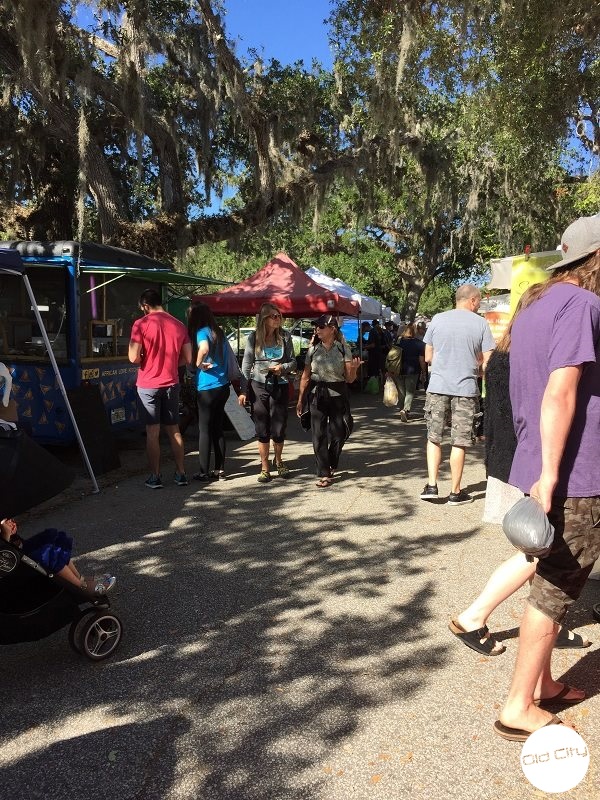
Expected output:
(369, 307)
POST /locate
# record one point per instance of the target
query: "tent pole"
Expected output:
(59, 380)
(360, 349)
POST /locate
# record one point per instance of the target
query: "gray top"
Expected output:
(458, 338)
(255, 365)
(328, 365)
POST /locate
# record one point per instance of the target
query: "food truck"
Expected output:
(88, 298)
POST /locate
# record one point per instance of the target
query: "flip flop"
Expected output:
(559, 699)
(567, 640)
(519, 735)
(479, 640)
(324, 483)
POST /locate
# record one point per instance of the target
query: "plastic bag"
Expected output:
(528, 528)
(390, 393)
(372, 386)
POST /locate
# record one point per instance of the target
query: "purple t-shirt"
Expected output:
(561, 329)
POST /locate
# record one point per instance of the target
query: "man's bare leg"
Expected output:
(176, 442)
(434, 459)
(531, 677)
(457, 463)
(502, 583)
(153, 448)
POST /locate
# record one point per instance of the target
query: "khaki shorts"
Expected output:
(559, 578)
(458, 412)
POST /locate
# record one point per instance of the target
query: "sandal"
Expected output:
(325, 482)
(560, 698)
(568, 639)
(519, 735)
(479, 640)
(203, 477)
(264, 476)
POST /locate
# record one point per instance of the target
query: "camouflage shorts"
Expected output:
(457, 412)
(559, 578)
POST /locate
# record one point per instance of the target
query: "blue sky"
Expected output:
(288, 30)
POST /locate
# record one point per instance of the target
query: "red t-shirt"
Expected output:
(162, 338)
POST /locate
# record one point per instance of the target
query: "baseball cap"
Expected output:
(581, 239)
(326, 319)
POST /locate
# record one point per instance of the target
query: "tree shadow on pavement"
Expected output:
(258, 633)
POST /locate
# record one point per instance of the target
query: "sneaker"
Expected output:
(264, 476)
(98, 585)
(458, 498)
(429, 492)
(281, 468)
(181, 479)
(403, 416)
(154, 482)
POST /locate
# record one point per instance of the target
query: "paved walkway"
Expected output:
(282, 642)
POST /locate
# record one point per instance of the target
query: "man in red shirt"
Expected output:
(160, 345)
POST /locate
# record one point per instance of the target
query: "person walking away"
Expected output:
(457, 344)
(212, 390)
(160, 345)
(374, 348)
(555, 396)
(268, 361)
(329, 367)
(413, 365)
(470, 626)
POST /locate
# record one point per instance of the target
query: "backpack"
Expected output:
(393, 362)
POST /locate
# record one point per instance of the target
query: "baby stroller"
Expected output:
(35, 603)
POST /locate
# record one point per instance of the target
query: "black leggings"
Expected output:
(211, 414)
(269, 413)
(328, 432)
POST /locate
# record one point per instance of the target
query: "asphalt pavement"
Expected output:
(281, 641)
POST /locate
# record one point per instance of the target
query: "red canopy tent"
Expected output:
(284, 284)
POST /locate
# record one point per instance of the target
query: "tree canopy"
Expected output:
(442, 134)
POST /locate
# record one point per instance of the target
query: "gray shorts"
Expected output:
(559, 578)
(458, 412)
(160, 406)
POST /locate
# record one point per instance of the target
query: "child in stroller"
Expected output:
(52, 549)
(41, 591)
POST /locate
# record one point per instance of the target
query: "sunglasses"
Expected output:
(326, 325)
(275, 316)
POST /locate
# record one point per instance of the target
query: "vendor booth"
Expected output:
(369, 306)
(284, 284)
(88, 297)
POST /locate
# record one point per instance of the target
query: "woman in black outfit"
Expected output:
(329, 367)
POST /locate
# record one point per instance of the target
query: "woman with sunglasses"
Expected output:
(268, 360)
(329, 367)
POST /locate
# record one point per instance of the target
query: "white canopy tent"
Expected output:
(369, 307)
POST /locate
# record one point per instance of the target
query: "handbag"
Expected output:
(390, 393)
(234, 373)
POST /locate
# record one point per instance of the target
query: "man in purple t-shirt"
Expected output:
(555, 395)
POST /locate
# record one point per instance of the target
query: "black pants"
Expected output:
(211, 414)
(328, 432)
(270, 413)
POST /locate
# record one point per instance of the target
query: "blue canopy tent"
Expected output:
(45, 487)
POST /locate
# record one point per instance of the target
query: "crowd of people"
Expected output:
(541, 429)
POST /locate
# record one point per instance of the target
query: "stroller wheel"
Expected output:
(75, 629)
(97, 634)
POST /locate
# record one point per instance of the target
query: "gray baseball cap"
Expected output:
(581, 239)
